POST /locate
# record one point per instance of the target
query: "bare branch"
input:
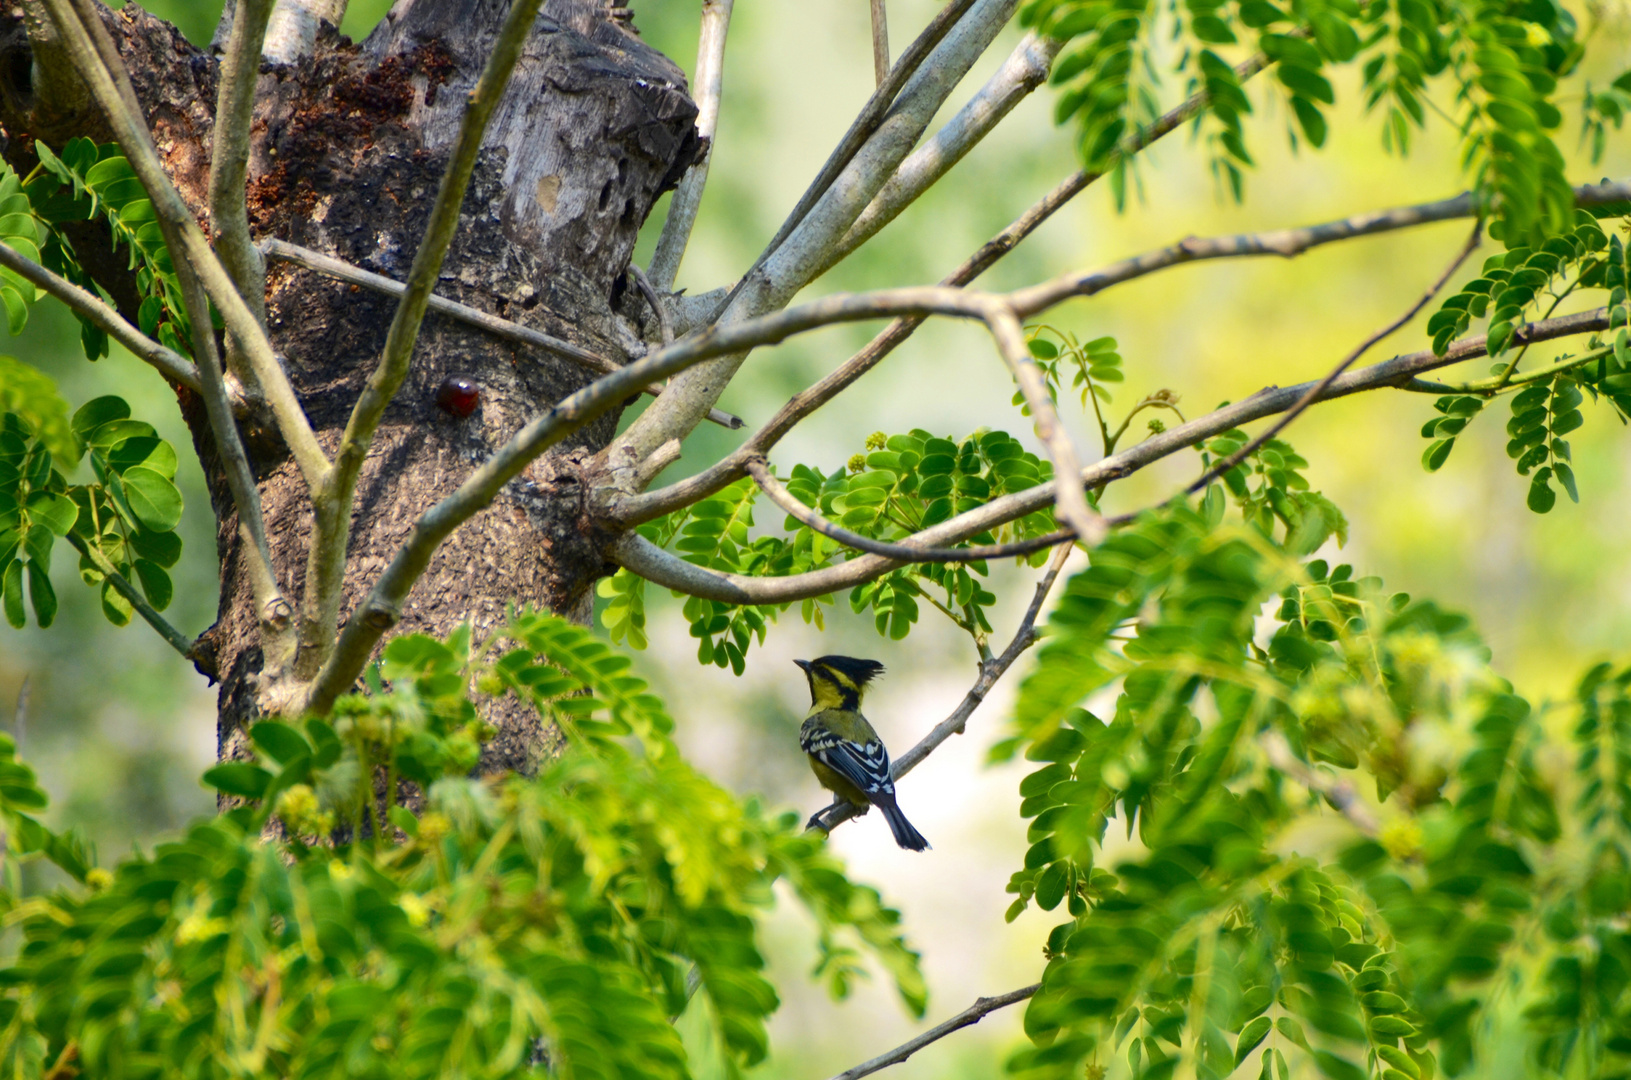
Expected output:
(646, 559)
(173, 637)
(271, 609)
(880, 42)
(991, 669)
(635, 509)
(871, 116)
(665, 327)
(971, 1015)
(708, 86)
(1023, 71)
(229, 155)
(331, 504)
(504, 328)
(172, 365)
(97, 61)
(1325, 384)
(777, 492)
(790, 265)
(1071, 508)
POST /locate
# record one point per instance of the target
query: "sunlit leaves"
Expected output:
(560, 922)
(87, 182)
(900, 485)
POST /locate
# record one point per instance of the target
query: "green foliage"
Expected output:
(1602, 109)
(547, 926)
(22, 233)
(1501, 59)
(1094, 364)
(124, 519)
(89, 182)
(902, 484)
(1514, 286)
(1444, 927)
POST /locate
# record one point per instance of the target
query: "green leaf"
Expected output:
(96, 412)
(33, 396)
(13, 594)
(156, 583)
(279, 741)
(41, 594)
(1250, 1036)
(239, 778)
(154, 500)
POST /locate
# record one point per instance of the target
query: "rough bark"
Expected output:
(349, 146)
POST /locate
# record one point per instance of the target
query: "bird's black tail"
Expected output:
(906, 836)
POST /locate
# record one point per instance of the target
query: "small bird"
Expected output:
(845, 753)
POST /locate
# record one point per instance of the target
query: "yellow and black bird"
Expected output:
(845, 753)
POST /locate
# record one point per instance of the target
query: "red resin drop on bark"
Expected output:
(458, 396)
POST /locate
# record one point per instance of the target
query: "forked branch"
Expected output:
(646, 559)
(635, 509)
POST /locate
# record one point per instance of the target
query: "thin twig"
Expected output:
(340, 270)
(880, 42)
(991, 670)
(271, 609)
(665, 328)
(172, 365)
(121, 585)
(642, 557)
(331, 505)
(229, 155)
(971, 1015)
(1490, 387)
(1324, 384)
(635, 509)
(777, 492)
(97, 60)
(1031, 301)
(708, 86)
(1339, 793)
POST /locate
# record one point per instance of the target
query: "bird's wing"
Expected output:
(866, 765)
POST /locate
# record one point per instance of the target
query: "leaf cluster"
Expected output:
(1436, 927)
(90, 182)
(123, 521)
(546, 926)
(1500, 60)
(898, 486)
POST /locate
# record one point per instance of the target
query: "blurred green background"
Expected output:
(120, 727)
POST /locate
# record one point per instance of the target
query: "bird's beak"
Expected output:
(804, 664)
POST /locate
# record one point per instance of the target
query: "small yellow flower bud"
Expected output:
(433, 827)
(877, 441)
(857, 463)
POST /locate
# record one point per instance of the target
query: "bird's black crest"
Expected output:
(860, 672)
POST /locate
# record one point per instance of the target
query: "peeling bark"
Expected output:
(349, 146)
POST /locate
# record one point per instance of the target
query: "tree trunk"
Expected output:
(349, 147)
